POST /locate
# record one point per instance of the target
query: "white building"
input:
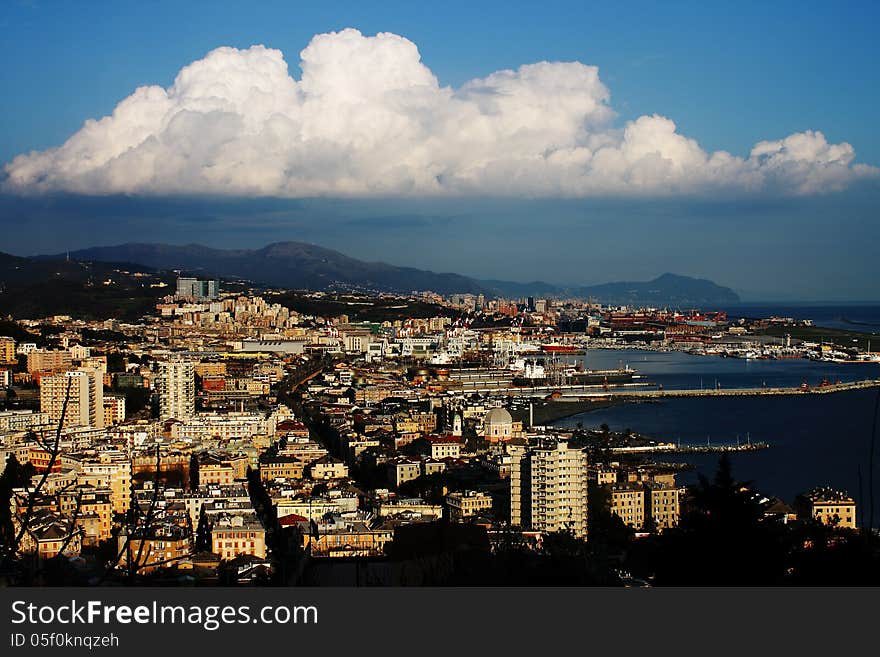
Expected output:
(22, 420)
(176, 385)
(549, 488)
(225, 427)
(85, 403)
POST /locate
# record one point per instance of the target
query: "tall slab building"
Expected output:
(176, 385)
(548, 487)
(85, 403)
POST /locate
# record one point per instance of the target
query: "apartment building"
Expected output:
(663, 504)
(828, 506)
(106, 469)
(467, 504)
(628, 503)
(233, 534)
(549, 487)
(176, 385)
(84, 402)
(114, 410)
(44, 360)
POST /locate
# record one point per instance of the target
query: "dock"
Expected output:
(672, 448)
(748, 392)
(575, 392)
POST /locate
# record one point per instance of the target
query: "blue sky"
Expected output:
(729, 74)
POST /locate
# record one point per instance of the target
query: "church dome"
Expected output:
(497, 417)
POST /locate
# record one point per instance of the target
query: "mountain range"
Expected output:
(298, 265)
(665, 290)
(283, 264)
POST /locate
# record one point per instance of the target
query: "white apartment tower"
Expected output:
(548, 488)
(85, 404)
(176, 384)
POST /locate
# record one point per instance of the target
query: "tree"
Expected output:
(193, 471)
(136, 399)
(605, 528)
(723, 539)
(139, 525)
(10, 557)
(115, 362)
(15, 475)
(54, 450)
(563, 545)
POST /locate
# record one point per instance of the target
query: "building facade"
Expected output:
(552, 497)
(85, 401)
(176, 385)
(193, 288)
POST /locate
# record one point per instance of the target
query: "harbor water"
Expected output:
(676, 370)
(816, 439)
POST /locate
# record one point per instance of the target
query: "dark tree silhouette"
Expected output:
(15, 475)
(723, 539)
(605, 528)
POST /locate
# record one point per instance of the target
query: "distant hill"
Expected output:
(666, 290)
(513, 290)
(306, 266)
(100, 282)
(92, 290)
(286, 265)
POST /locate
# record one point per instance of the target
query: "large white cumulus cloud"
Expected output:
(367, 117)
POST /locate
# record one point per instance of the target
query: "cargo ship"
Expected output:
(536, 376)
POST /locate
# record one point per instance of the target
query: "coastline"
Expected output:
(548, 412)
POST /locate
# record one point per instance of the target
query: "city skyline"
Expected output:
(515, 300)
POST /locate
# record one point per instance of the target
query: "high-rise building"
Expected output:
(176, 384)
(96, 394)
(548, 488)
(7, 350)
(85, 403)
(198, 290)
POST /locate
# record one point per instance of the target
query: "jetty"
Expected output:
(674, 448)
(625, 390)
(824, 389)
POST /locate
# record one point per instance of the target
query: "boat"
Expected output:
(578, 377)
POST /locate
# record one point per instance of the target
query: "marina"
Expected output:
(675, 448)
(821, 438)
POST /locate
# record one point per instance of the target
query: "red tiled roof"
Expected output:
(291, 519)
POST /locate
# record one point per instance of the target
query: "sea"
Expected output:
(816, 440)
(854, 317)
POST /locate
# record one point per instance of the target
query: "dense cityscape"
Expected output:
(225, 438)
(495, 327)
